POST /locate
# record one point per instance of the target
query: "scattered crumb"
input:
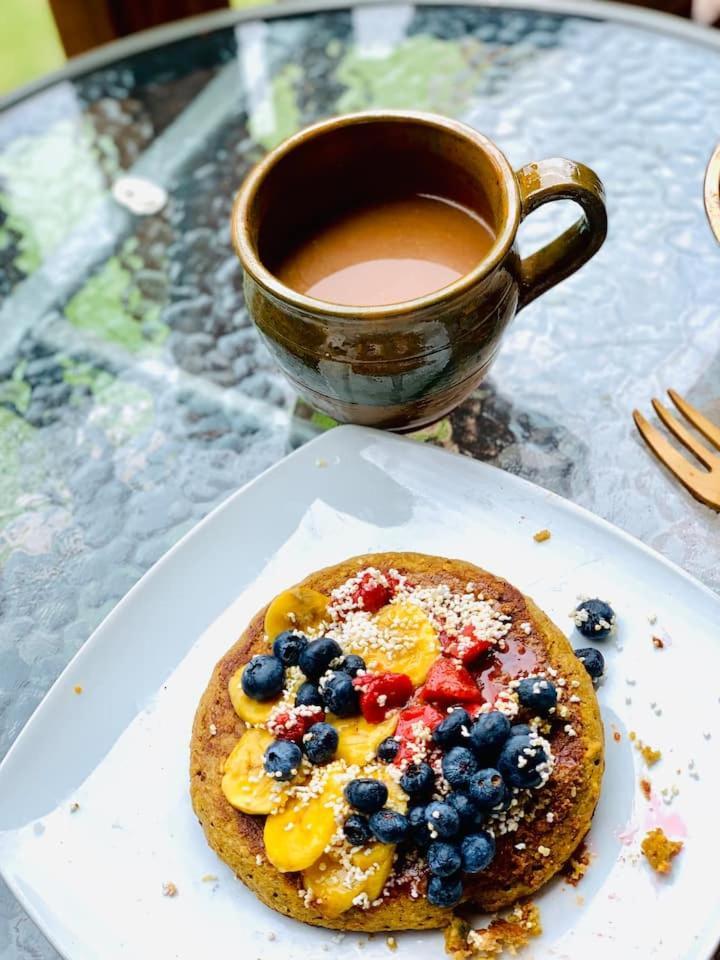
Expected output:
(77, 689)
(272, 935)
(707, 734)
(541, 536)
(649, 755)
(646, 787)
(580, 900)
(658, 643)
(577, 866)
(511, 933)
(213, 730)
(659, 850)
(321, 462)
(392, 943)
(209, 878)
(169, 889)
(74, 807)
(617, 736)
(652, 619)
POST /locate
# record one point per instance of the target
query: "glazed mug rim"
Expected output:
(246, 251)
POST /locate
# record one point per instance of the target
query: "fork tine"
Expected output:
(706, 427)
(683, 435)
(674, 461)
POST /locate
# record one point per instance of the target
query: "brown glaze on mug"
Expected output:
(401, 365)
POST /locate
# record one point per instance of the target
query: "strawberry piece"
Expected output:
(448, 682)
(465, 646)
(380, 692)
(371, 596)
(293, 724)
(412, 721)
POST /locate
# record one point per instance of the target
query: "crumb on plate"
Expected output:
(169, 889)
(541, 536)
(392, 943)
(577, 866)
(646, 787)
(659, 850)
(658, 643)
(77, 689)
(511, 933)
(649, 755)
(74, 806)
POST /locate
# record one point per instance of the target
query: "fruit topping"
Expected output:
(368, 591)
(320, 743)
(335, 887)
(458, 765)
(288, 646)
(520, 730)
(454, 730)
(401, 640)
(538, 695)
(382, 692)
(283, 759)
(418, 781)
(447, 682)
(308, 695)
(249, 710)
(263, 677)
(296, 836)
(388, 749)
(470, 816)
(477, 851)
(442, 820)
(523, 762)
(489, 732)
(389, 826)
(352, 664)
(357, 830)
(592, 660)
(359, 739)
(486, 789)
(294, 723)
(419, 832)
(297, 609)
(445, 891)
(443, 859)
(317, 656)
(339, 695)
(414, 730)
(244, 783)
(466, 645)
(594, 619)
(366, 794)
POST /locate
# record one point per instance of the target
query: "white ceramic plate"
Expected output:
(92, 878)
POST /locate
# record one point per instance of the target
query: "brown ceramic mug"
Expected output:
(407, 364)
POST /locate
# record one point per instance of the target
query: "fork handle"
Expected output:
(559, 179)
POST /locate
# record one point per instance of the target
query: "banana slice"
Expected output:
(245, 783)
(297, 836)
(403, 622)
(249, 710)
(359, 739)
(297, 609)
(334, 887)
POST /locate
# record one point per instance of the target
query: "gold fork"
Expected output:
(704, 485)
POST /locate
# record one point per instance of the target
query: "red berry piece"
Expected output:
(381, 692)
(448, 682)
(465, 646)
(293, 724)
(412, 724)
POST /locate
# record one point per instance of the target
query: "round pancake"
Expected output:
(570, 795)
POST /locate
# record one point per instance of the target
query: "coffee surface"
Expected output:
(388, 252)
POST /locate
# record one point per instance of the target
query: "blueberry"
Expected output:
(357, 830)
(263, 677)
(388, 826)
(442, 820)
(443, 859)
(595, 619)
(352, 664)
(366, 795)
(288, 646)
(317, 656)
(520, 730)
(445, 891)
(592, 660)
(477, 851)
(308, 696)
(449, 732)
(486, 789)
(470, 816)
(525, 773)
(489, 733)
(340, 696)
(282, 759)
(388, 749)
(418, 781)
(458, 765)
(419, 827)
(537, 694)
(320, 743)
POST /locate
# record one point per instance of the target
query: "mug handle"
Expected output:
(559, 179)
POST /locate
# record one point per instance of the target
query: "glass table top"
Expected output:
(135, 394)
